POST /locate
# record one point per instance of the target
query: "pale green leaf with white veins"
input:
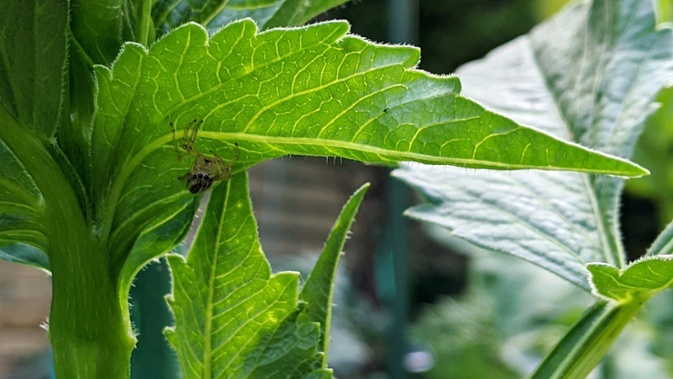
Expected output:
(565, 77)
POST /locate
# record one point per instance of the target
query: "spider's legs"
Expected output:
(225, 167)
(175, 142)
(190, 138)
(186, 144)
(236, 153)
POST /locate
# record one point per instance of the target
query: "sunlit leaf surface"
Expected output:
(233, 318)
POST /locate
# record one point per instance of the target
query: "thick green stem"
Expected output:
(89, 334)
(89, 331)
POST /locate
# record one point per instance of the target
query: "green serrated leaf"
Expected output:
(315, 91)
(319, 286)
(233, 318)
(575, 71)
(33, 62)
(642, 278)
(306, 91)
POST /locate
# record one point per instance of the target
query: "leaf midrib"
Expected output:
(385, 155)
(601, 223)
(207, 343)
(381, 152)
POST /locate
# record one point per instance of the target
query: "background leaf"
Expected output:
(20, 202)
(299, 12)
(25, 254)
(100, 27)
(33, 63)
(23, 227)
(214, 14)
(233, 318)
(568, 77)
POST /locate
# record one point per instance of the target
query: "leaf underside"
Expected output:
(566, 77)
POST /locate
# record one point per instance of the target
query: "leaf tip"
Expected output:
(363, 188)
(640, 171)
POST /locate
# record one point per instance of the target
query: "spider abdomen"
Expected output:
(198, 182)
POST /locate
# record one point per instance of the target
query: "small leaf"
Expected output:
(319, 287)
(233, 318)
(100, 27)
(212, 14)
(577, 78)
(165, 232)
(644, 278)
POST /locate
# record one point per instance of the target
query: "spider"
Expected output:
(206, 169)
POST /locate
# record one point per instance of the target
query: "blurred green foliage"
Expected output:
(655, 151)
(451, 32)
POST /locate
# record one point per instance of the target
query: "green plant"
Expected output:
(591, 75)
(514, 313)
(89, 186)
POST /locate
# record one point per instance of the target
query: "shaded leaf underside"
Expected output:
(559, 221)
